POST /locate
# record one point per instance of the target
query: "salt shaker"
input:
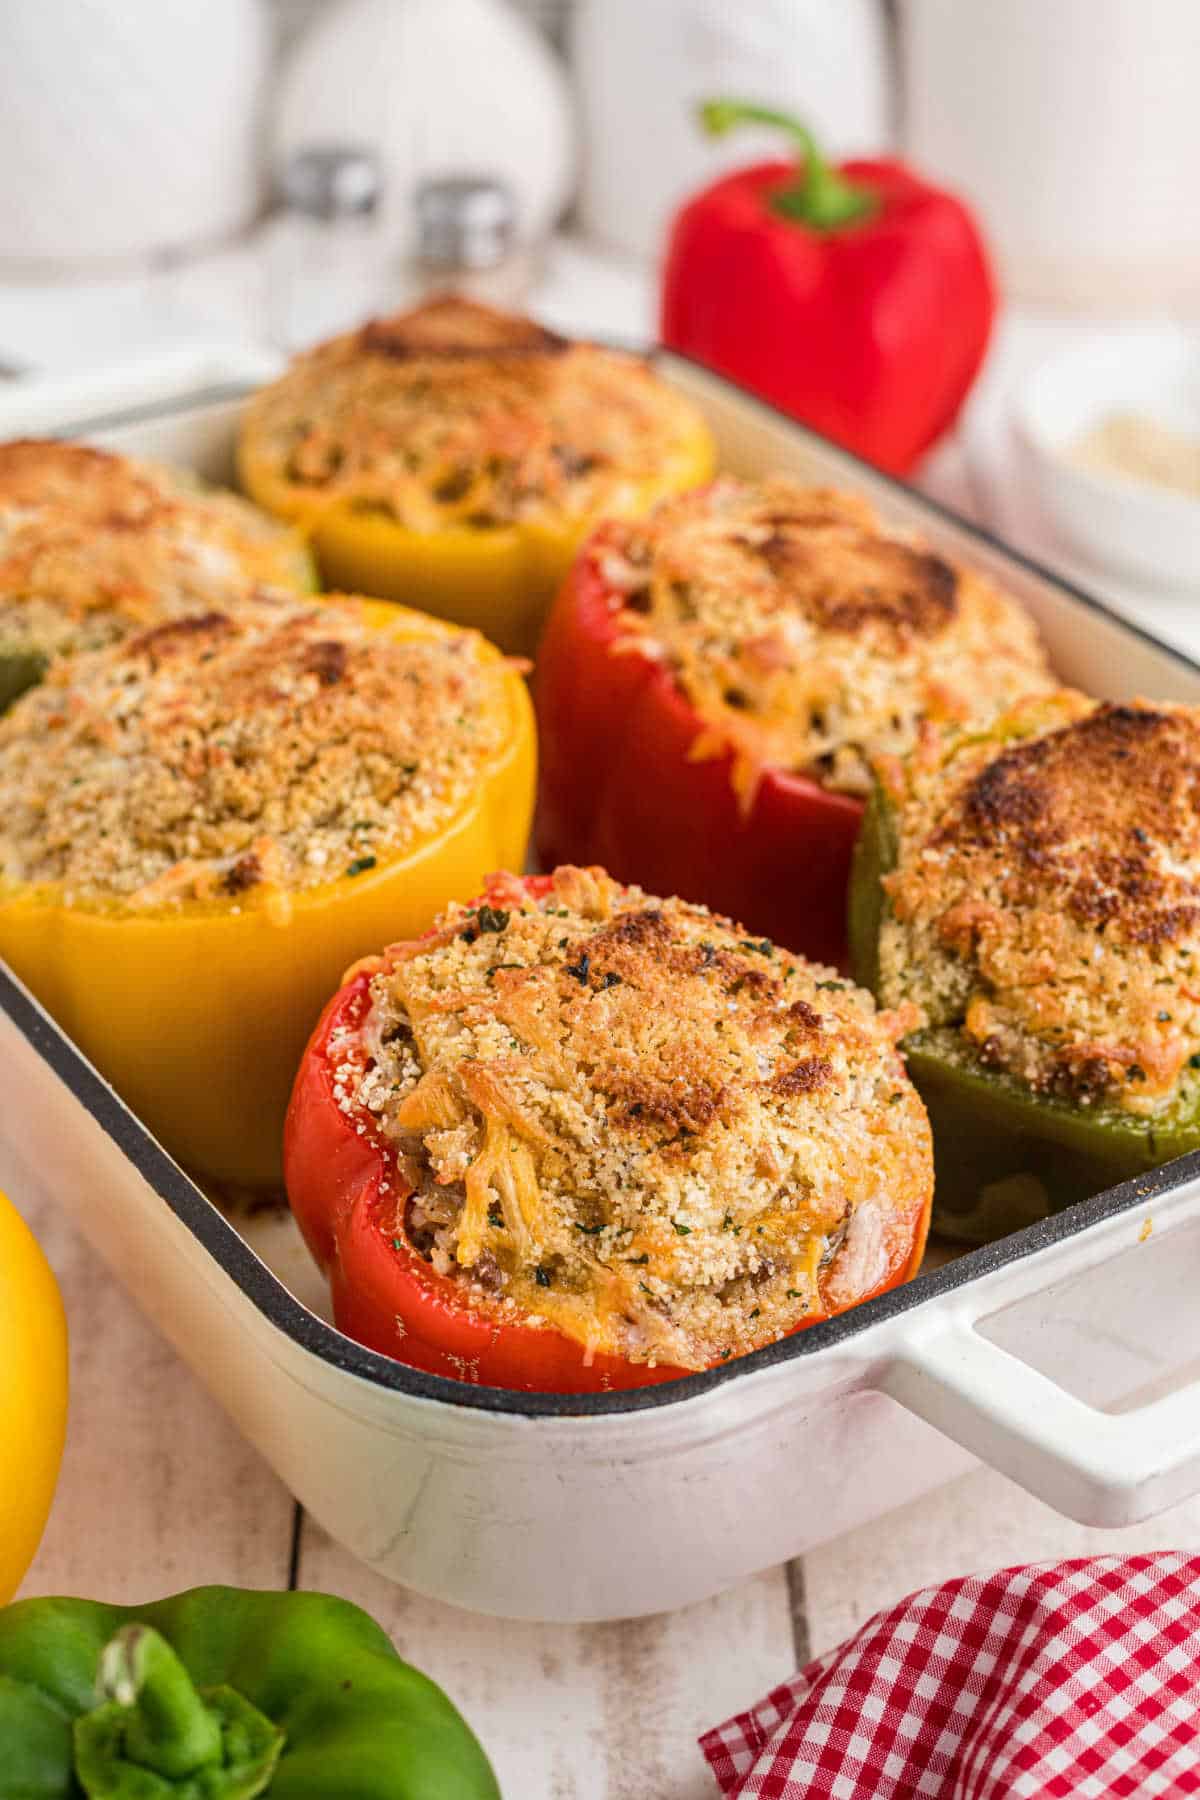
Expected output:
(327, 264)
(465, 243)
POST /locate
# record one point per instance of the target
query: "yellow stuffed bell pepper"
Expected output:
(288, 789)
(33, 1395)
(455, 459)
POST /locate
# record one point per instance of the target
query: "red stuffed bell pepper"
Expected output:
(715, 681)
(577, 1139)
(858, 298)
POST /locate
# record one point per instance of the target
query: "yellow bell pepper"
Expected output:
(198, 1013)
(500, 580)
(33, 1395)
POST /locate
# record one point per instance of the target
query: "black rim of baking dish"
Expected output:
(273, 1300)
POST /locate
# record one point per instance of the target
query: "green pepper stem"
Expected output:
(170, 1730)
(821, 196)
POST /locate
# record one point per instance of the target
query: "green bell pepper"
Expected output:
(222, 1694)
(1004, 1156)
(22, 666)
(281, 558)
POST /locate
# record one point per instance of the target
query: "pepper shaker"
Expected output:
(466, 242)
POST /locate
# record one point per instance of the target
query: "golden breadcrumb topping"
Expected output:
(806, 636)
(456, 415)
(94, 546)
(278, 745)
(1045, 905)
(617, 1114)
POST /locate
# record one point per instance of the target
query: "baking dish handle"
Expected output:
(1101, 1468)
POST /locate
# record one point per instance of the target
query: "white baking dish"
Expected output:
(552, 1507)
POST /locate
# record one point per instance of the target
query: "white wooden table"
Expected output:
(158, 1492)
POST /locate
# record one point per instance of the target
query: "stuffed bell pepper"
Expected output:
(1033, 890)
(454, 458)
(715, 679)
(95, 547)
(201, 826)
(223, 1694)
(576, 1138)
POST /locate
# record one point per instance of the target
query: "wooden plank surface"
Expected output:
(159, 1492)
(979, 1522)
(584, 1712)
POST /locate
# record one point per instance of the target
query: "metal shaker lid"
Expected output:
(464, 221)
(331, 181)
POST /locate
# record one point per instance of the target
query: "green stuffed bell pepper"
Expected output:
(222, 1694)
(1031, 892)
(98, 547)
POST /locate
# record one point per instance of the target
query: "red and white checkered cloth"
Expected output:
(1077, 1679)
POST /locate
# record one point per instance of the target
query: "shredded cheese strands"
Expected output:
(473, 1223)
(433, 1104)
(624, 1120)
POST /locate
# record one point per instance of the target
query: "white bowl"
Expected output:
(1122, 523)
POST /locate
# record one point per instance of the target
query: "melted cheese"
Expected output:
(807, 637)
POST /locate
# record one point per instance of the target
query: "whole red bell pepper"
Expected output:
(859, 297)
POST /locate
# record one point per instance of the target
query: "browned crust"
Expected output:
(111, 489)
(1086, 811)
(807, 635)
(1046, 902)
(855, 578)
(804, 1077)
(453, 414)
(180, 637)
(451, 327)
